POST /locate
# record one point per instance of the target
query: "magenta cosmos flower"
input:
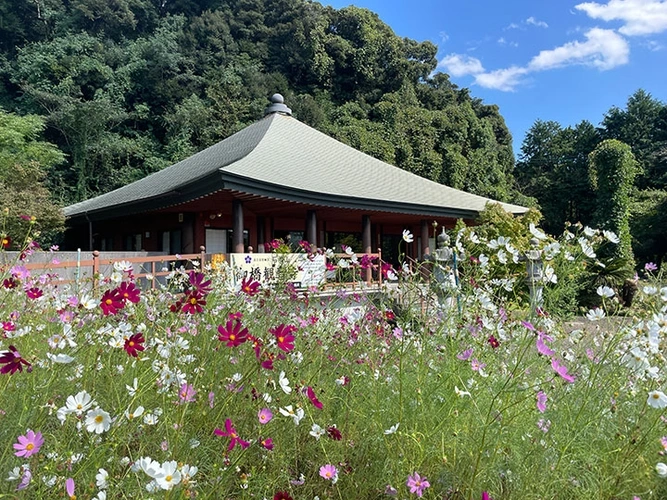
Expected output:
(233, 333)
(29, 444)
(231, 433)
(417, 484)
(313, 398)
(128, 291)
(13, 361)
(111, 302)
(284, 337)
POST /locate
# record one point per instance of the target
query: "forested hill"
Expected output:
(127, 87)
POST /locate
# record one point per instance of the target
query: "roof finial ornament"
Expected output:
(277, 106)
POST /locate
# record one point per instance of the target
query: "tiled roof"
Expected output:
(281, 157)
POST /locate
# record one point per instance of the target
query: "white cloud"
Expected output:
(603, 49)
(512, 26)
(540, 24)
(640, 17)
(461, 65)
(443, 36)
(502, 79)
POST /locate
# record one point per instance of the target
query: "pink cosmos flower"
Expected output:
(313, 399)
(541, 402)
(26, 477)
(69, 488)
(329, 472)
(267, 443)
(465, 355)
(485, 496)
(264, 416)
(29, 444)
(477, 365)
(211, 399)
(561, 370)
(417, 484)
(186, 394)
(542, 348)
(231, 433)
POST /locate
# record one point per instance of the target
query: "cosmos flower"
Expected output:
(29, 444)
(329, 472)
(231, 433)
(12, 361)
(417, 484)
(134, 344)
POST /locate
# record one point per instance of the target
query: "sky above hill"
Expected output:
(559, 60)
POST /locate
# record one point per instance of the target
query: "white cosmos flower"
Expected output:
(460, 393)
(98, 421)
(595, 314)
(151, 467)
(590, 232)
(288, 411)
(102, 495)
(657, 399)
(661, 469)
(60, 358)
(537, 232)
(79, 403)
(549, 275)
(502, 256)
(283, 382)
(132, 389)
(611, 236)
(392, 429)
(407, 236)
(134, 414)
(586, 248)
(605, 291)
(650, 290)
(169, 475)
(150, 419)
(316, 431)
(101, 479)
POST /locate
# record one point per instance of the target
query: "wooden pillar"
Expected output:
(311, 227)
(237, 226)
(366, 241)
(261, 234)
(366, 233)
(424, 235)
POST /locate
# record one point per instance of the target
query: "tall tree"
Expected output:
(613, 169)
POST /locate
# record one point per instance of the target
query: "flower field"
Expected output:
(202, 389)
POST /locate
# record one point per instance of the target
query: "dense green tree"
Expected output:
(24, 163)
(641, 125)
(553, 168)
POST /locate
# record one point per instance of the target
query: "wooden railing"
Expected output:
(150, 268)
(365, 275)
(77, 270)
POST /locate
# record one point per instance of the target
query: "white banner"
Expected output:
(265, 267)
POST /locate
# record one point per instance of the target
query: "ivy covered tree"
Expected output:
(612, 169)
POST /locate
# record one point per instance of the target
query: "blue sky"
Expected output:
(559, 60)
